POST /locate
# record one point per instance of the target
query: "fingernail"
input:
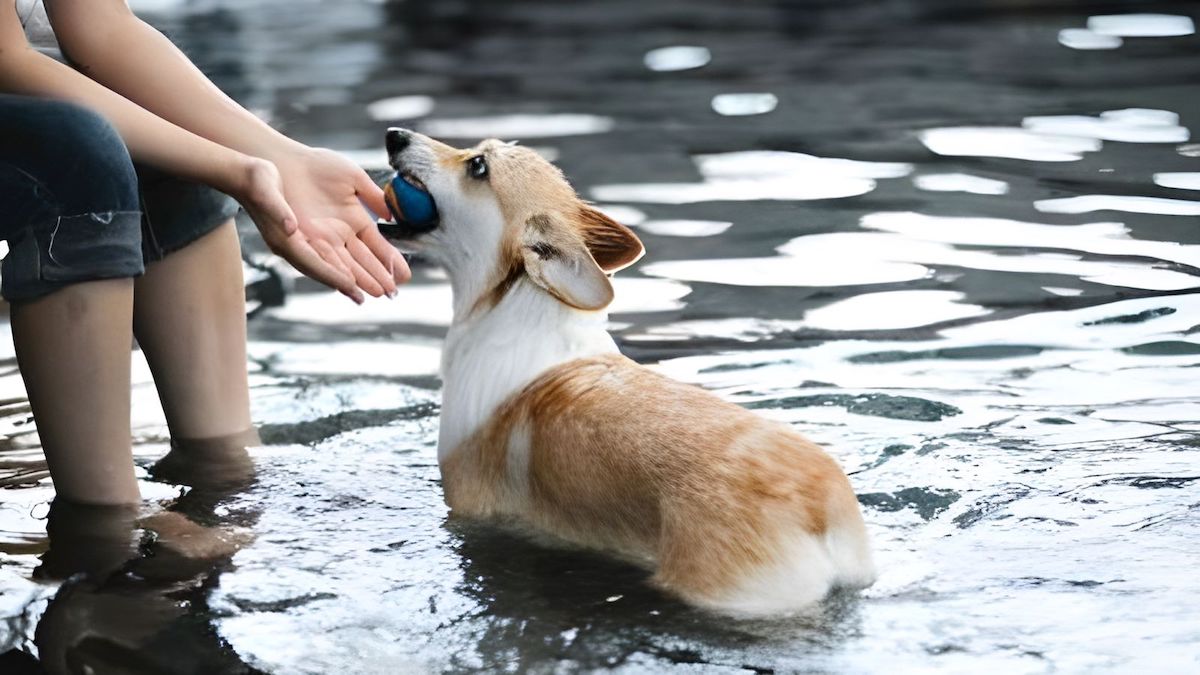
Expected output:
(392, 293)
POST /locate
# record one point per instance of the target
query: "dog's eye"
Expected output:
(477, 167)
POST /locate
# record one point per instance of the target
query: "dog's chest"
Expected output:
(488, 361)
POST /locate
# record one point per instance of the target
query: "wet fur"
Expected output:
(545, 423)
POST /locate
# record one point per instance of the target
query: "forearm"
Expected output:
(150, 71)
(150, 139)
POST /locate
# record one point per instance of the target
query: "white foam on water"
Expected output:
(400, 108)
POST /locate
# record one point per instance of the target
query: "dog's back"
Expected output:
(733, 511)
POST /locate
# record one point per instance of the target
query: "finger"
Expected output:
(371, 195)
(282, 212)
(305, 258)
(372, 266)
(383, 249)
(368, 231)
(361, 278)
(347, 287)
(268, 206)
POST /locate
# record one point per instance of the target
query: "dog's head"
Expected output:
(502, 213)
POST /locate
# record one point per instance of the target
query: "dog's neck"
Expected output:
(491, 352)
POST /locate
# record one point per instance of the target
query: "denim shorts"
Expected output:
(73, 207)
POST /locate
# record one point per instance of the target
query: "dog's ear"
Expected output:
(613, 245)
(557, 258)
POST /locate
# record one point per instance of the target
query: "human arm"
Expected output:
(325, 190)
(253, 181)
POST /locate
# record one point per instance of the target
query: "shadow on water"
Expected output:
(540, 605)
(955, 242)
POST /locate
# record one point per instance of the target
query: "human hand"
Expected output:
(327, 192)
(307, 206)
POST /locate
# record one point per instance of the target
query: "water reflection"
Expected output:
(739, 105)
(133, 593)
(761, 175)
(1024, 407)
(1135, 125)
(1130, 204)
(1082, 38)
(819, 260)
(1106, 238)
(1141, 25)
(517, 126)
(960, 182)
(1009, 142)
(1178, 180)
(667, 59)
(892, 310)
(684, 228)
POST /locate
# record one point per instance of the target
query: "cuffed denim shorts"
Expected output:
(73, 207)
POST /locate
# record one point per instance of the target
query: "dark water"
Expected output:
(959, 252)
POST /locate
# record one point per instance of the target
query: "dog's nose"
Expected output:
(397, 140)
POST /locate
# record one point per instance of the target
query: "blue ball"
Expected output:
(409, 203)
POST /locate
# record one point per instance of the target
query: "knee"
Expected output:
(97, 173)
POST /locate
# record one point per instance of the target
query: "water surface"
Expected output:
(956, 243)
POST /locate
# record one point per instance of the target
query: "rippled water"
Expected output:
(954, 242)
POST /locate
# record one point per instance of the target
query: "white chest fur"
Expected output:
(489, 356)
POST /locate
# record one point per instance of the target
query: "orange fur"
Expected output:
(622, 458)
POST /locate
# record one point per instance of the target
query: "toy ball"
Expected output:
(409, 204)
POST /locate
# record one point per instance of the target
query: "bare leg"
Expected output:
(190, 320)
(73, 348)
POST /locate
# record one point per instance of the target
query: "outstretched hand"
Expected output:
(308, 205)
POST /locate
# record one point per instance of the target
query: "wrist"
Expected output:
(240, 174)
(279, 149)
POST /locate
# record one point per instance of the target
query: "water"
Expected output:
(954, 242)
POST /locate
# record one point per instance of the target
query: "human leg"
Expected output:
(72, 216)
(190, 320)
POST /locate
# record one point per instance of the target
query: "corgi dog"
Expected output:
(545, 424)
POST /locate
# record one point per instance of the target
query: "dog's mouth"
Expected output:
(412, 207)
(413, 180)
